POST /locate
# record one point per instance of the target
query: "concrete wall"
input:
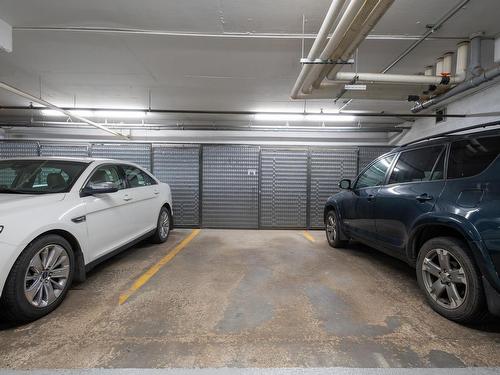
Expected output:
(484, 101)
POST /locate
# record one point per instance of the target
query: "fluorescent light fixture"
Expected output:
(330, 118)
(52, 113)
(120, 114)
(279, 117)
(87, 113)
(291, 117)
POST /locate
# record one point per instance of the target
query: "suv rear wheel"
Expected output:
(450, 280)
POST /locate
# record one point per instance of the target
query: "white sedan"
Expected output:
(59, 217)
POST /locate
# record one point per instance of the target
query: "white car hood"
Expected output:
(10, 203)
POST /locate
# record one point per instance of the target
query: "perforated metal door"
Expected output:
(64, 149)
(328, 167)
(367, 154)
(230, 186)
(18, 149)
(283, 201)
(137, 153)
(179, 167)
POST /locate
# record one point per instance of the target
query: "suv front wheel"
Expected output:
(450, 279)
(332, 230)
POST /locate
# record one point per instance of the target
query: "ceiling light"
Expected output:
(52, 113)
(279, 117)
(330, 118)
(120, 114)
(290, 117)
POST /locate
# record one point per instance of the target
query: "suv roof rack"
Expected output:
(439, 135)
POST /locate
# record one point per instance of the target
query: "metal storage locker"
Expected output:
(180, 168)
(367, 154)
(64, 149)
(138, 153)
(328, 167)
(18, 149)
(283, 200)
(230, 185)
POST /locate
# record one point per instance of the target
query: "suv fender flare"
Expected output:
(468, 232)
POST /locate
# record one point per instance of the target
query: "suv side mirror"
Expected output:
(345, 184)
(99, 188)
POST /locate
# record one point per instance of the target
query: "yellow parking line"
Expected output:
(308, 236)
(155, 268)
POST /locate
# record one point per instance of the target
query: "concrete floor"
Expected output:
(243, 298)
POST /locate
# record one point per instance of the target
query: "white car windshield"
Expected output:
(39, 176)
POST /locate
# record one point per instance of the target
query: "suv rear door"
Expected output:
(413, 187)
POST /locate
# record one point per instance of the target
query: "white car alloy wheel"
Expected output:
(47, 275)
(164, 224)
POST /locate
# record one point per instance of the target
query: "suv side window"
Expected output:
(136, 177)
(418, 165)
(108, 173)
(375, 174)
(472, 156)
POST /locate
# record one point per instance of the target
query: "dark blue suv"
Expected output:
(436, 205)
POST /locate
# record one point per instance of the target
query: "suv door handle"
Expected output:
(424, 197)
(127, 198)
(371, 197)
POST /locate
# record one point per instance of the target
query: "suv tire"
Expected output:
(450, 280)
(332, 230)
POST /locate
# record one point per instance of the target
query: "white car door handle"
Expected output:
(156, 192)
(127, 198)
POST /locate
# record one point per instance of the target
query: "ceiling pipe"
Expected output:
(393, 78)
(222, 112)
(429, 32)
(306, 78)
(225, 35)
(439, 66)
(368, 25)
(32, 98)
(462, 59)
(475, 55)
(447, 63)
(469, 84)
(75, 125)
(319, 43)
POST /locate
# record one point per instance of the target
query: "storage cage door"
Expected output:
(328, 167)
(138, 153)
(179, 167)
(15, 149)
(368, 153)
(64, 149)
(230, 186)
(283, 200)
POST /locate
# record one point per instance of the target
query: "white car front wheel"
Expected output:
(39, 279)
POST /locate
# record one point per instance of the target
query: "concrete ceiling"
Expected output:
(203, 73)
